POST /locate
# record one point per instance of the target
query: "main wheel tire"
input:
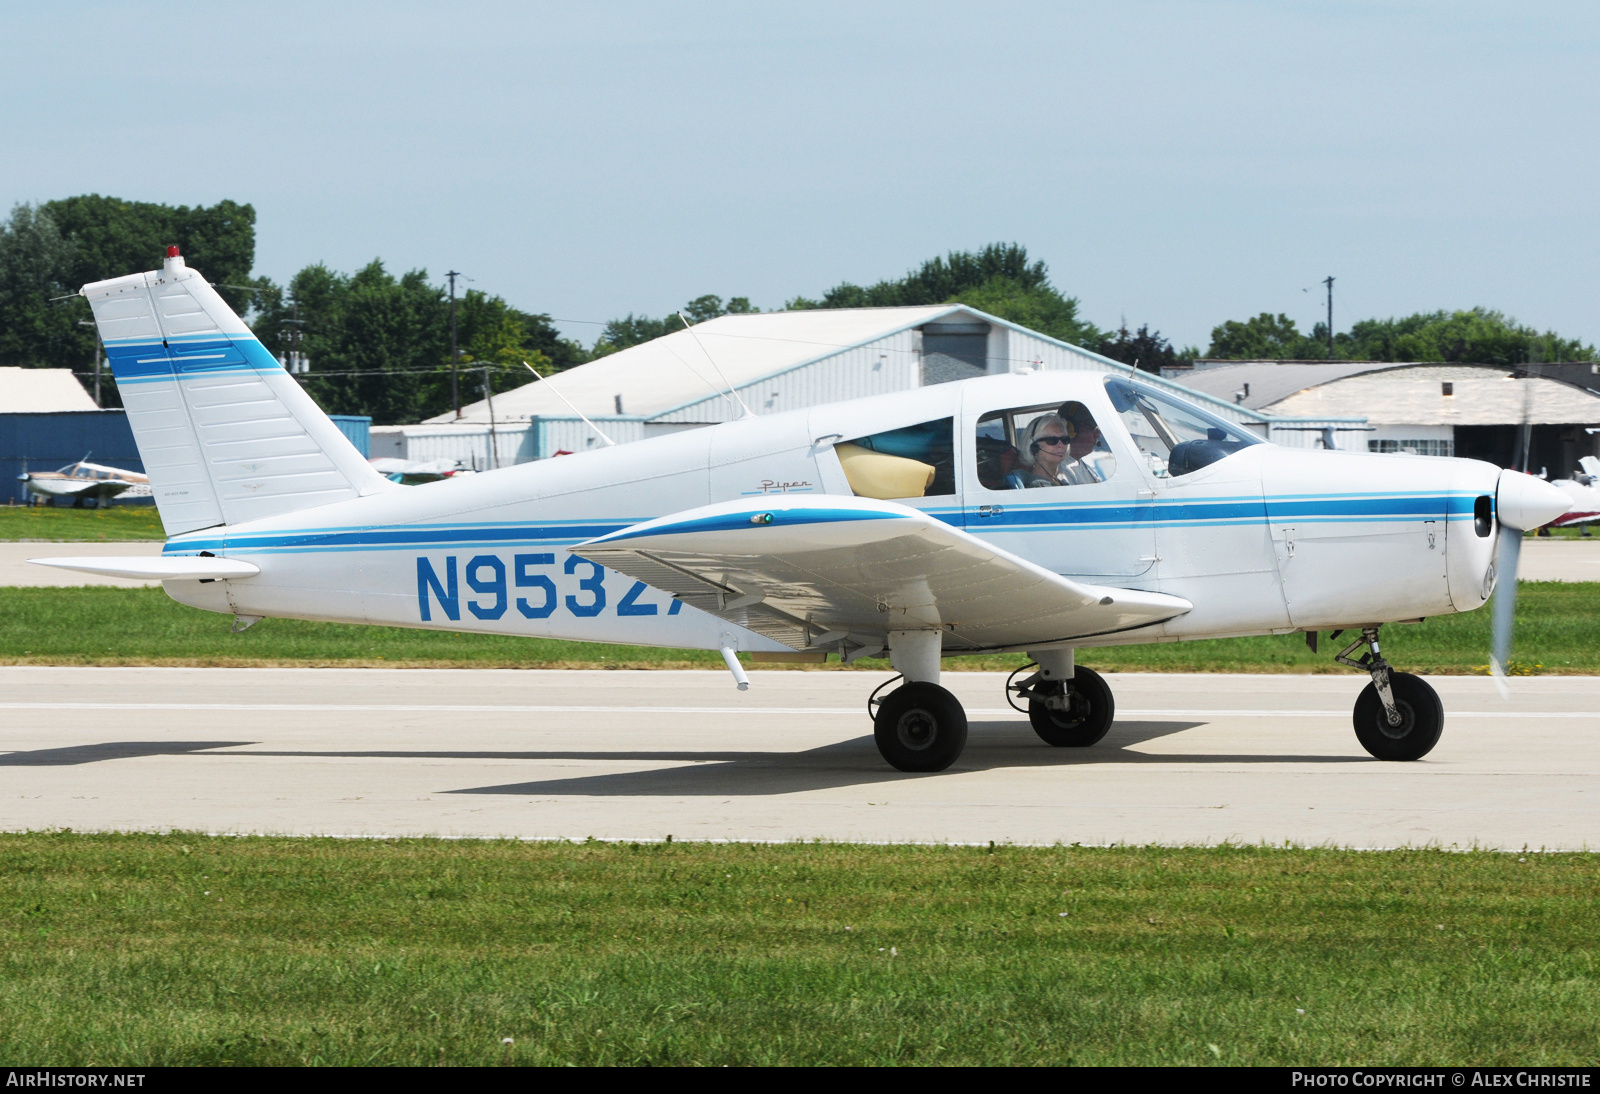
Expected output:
(1088, 720)
(1421, 719)
(920, 727)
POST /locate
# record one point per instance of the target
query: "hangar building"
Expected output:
(1429, 408)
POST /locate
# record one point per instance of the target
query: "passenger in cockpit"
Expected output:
(1085, 435)
(1040, 451)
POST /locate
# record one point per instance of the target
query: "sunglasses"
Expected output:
(1051, 441)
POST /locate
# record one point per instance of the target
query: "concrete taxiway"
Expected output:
(641, 755)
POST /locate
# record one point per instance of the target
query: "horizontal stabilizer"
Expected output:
(146, 568)
(812, 572)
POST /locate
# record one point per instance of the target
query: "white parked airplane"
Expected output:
(1583, 494)
(82, 483)
(1042, 512)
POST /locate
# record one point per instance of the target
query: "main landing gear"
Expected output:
(1398, 716)
(920, 726)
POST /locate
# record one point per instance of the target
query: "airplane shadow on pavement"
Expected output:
(110, 750)
(853, 762)
(856, 762)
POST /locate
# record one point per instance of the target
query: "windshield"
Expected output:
(1176, 438)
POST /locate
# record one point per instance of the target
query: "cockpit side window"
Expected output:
(1051, 444)
(1175, 437)
(914, 462)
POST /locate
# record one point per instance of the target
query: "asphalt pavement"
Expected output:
(1192, 759)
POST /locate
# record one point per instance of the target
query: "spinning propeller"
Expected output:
(1522, 503)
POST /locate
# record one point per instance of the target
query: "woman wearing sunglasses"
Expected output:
(1041, 450)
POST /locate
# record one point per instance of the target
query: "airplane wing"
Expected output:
(815, 572)
(155, 568)
(61, 488)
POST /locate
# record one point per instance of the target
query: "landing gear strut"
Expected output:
(1068, 706)
(1398, 716)
(919, 726)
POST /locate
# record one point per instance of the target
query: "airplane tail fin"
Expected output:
(226, 435)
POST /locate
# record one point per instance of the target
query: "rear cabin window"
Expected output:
(917, 461)
(1051, 444)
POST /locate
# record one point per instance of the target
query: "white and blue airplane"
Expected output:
(903, 523)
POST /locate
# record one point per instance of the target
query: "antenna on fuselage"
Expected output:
(564, 399)
(748, 413)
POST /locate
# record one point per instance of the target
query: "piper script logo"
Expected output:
(777, 486)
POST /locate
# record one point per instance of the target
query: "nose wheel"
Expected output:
(1071, 713)
(1397, 716)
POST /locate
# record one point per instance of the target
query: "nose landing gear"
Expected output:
(1397, 716)
(1066, 713)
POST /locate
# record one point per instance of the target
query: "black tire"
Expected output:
(1093, 709)
(920, 727)
(1421, 719)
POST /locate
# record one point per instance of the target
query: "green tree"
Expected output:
(37, 331)
(999, 279)
(49, 252)
(940, 280)
(1266, 337)
(380, 344)
(632, 330)
(1037, 307)
(112, 237)
(1478, 335)
(1145, 349)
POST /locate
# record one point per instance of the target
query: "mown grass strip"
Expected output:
(1557, 628)
(148, 950)
(66, 525)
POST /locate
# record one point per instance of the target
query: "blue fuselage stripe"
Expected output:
(1111, 516)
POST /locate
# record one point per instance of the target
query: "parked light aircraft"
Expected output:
(1583, 494)
(83, 483)
(414, 472)
(903, 522)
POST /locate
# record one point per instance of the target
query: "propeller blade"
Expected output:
(1507, 553)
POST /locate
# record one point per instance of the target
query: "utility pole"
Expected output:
(488, 394)
(294, 360)
(88, 323)
(455, 354)
(1329, 283)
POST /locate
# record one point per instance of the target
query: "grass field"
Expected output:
(149, 950)
(1558, 630)
(67, 525)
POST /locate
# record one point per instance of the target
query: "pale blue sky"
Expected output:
(1175, 163)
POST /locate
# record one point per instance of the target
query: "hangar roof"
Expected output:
(1406, 393)
(40, 390)
(1270, 381)
(667, 372)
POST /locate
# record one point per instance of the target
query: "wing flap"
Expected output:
(806, 572)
